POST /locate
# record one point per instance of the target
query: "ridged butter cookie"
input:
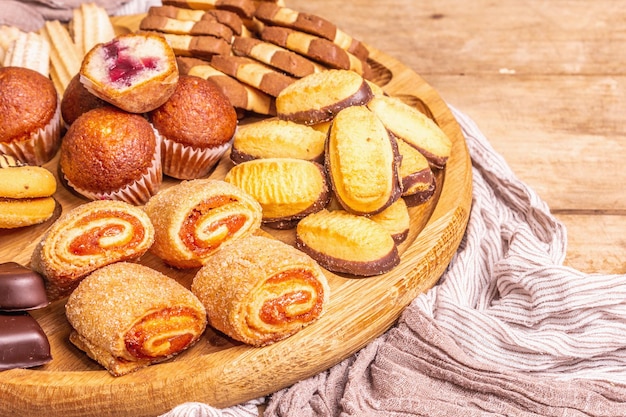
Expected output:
(288, 189)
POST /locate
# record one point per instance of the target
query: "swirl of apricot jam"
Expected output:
(88, 243)
(162, 333)
(189, 233)
(274, 311)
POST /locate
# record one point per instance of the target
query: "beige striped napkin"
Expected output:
(508, 331)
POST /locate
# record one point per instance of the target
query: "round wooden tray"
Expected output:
(217, 370)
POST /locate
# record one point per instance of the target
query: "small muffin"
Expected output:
(111, 154)
(196, 126)
(135, 72)
(78, 100)
(30, 116)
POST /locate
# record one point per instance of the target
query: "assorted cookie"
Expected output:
(26, 194)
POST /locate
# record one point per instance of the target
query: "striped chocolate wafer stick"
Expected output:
(275, 56)
(225, 17)
(314, 47)
(186, 27)
(275, 15)
(196, 46)
(241, 96)
(253, 73)
(244, 8)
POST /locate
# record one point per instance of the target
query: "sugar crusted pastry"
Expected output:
(127, 316)
(88, 237)
(196, 218)
(261, 290)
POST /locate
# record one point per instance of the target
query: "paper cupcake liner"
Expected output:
(137, 192)
(186, 162)
(42, 144)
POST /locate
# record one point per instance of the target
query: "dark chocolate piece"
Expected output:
(21, 288)
(23, 343)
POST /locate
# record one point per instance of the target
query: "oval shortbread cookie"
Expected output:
(414, 127)
(275, 138)
(316, 98)
(347, 243)
(288, 189)
(362, 161)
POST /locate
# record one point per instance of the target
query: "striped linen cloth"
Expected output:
(508, 330)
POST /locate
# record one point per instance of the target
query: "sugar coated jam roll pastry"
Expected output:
(261, 290)
(288, 189)
(135, 72)
(347, 243)
(316, 98)
(88, 237)
(196, 218)
(127, 316)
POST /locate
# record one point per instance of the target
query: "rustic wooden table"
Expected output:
(544, 81)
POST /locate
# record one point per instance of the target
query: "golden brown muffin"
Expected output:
(135, 72)
(78, 100)
(196, 125)
(30, 116)
(108, 153)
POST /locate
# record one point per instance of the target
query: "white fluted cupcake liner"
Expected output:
(137, 192)
(186, 162)
(42, 144)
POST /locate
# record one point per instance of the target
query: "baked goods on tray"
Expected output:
(261, 290)
(127, 316)
(89, 237)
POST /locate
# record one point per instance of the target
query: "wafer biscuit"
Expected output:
(273, 14)
(64, 55)
(275, 56)
(90, 26)
(29, 50)
(241, 96)
(253, 73)
(186, 27)
(314, 47)
(244, 8)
